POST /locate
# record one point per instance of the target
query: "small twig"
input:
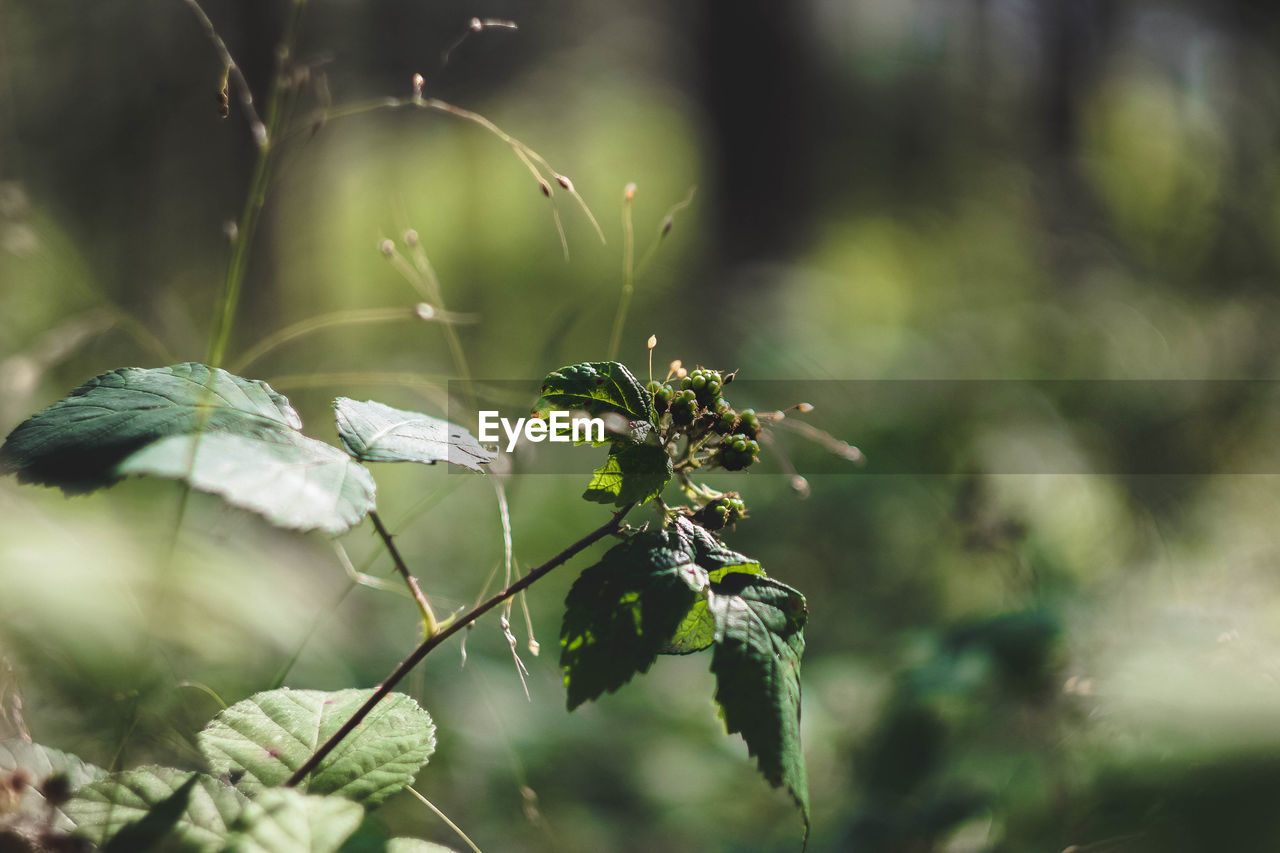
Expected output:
(445, 633)
(232, 72)
(445, 818)
(429, 624)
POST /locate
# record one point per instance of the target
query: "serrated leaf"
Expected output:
(632, 473)
(598, 388)
(103, 808)
(712, 554)
(758, 644)
(268, 736)
(291, 480)
(373, 432)
(622, 611)
(156, 829)
(136, 421)
(41, 763)
(285, 820)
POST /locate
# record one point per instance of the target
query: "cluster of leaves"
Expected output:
(237, 802)
(679, 589)
(676, 589)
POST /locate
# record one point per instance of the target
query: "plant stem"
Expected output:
(429, 624)
(247, 225)
(445, 633)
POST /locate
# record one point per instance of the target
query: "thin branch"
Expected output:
(425, 648)
(232, 72)
(429, 624)
(444, 817)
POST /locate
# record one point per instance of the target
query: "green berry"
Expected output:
(749, 424)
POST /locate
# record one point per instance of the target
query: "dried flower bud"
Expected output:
(387, 248)
(476, 25)
(424, 310)
(418, 83)
(628, 192)
(411, 238)
(653, 341)
(563, 180)
(666, 226)
(546, 187)
(804, 408)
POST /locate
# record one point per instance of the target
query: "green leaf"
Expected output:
(622, 611)
(291, 480)
(758, 644)
(415, 845)
(103, 808)
(372, 432)
(633, 473)
(151, 830)
(136, 421)
(597, 388)
(268, 736)
(285, 820)
(42, 763)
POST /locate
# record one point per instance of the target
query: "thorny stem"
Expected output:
(611, 526)
(429, 623)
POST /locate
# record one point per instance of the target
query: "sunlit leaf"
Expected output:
(285, 820)
(262, 740)
(599, 388)
(756, 660)
(373, 432)
(250, 450)
(290, 479)
(632, 473)
(103, 808)
(622, 611)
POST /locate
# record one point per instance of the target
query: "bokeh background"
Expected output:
(1080, 654)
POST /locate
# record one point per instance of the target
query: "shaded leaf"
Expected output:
(42, 763)
(151, 830)
(599, 388)
(291, 480)
(621, 612)
(285, 820)
(373, 432)
(756, 660)
(103, 808)
(270, 735)
(137, 421)
(632, 473)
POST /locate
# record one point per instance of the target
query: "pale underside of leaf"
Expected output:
(374, 432)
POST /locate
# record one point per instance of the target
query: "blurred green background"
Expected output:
(887, 189)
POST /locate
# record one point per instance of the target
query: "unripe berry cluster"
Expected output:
(697, 409)
(721, 512)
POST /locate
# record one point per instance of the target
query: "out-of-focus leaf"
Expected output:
(633, 473)
(268, 736)
(44, 764)
(756, 660)
(249, 448)
(373, 432)
(622, 611)
(103, 808)
(285, 820)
